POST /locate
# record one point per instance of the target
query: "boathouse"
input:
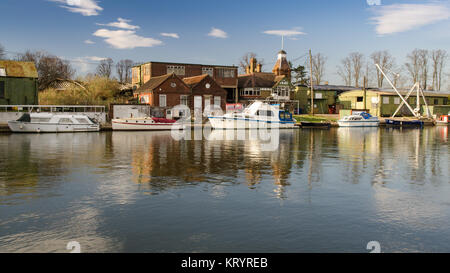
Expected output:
(384, 102)
(205, 92)
(18, 83)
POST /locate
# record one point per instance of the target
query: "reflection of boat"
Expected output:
(319, 125)
(361, 120)
(400, 122)
(257, 115)
(144, 124)
(53, 123)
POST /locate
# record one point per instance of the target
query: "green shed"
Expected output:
(18, 83)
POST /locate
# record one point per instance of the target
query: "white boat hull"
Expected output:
(118, 125)
(357, 123)
(25, 127)
(243, 123)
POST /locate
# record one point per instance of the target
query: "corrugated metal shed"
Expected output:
(19, 69)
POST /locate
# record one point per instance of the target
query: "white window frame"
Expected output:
(396, 100)
(217, 101)
(160, 101)
(208, 70)
(385, 100)
(2, 72)
(187, 99)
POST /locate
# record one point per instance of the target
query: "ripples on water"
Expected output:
(321, 191)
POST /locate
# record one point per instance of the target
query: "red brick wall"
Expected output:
(191, 70)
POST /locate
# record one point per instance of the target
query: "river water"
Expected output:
(319, 191)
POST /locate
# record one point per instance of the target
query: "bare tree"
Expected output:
(413, 65)
(438, 58)
(124, 70)
(385, 60)
(49, 67)
(345, 71)
(104, 69)
(2, 52)
(423, 62)
(318, 67)
(357, 62)
(244, 61)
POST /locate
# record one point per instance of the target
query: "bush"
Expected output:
(93, 90)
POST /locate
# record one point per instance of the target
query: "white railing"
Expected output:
(53, 108)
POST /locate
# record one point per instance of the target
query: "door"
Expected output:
(198, 102)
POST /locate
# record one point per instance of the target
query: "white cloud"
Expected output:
(172, 35)
(373, 2)
(285, 32)
(89, 42)
(218, 33)
(125, 39)
(403, 17)
(85, 7)
(86, 64)
(121, 23)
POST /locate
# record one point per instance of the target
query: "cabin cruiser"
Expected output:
(256, 115)
(360, 120)
(145, 124)
(53, 123)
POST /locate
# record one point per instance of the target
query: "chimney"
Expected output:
(259, 68)
(247, 69)
(252, 65)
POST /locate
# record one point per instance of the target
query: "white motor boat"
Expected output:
(361, 120)
(256, 115)
(145, 124)
(53, 123)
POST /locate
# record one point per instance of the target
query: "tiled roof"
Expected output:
(154, 82)
(256, 80)
(192, 81)
(19, 69)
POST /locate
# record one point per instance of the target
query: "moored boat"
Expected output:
(256, 115)
(53, 123)
(319, 125)
(401, 122)
(361, 120)
(144, 124)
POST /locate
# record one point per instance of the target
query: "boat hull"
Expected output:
(140, 126)
(243, 123)
(410, 123)
(359, 123)
(26, 127)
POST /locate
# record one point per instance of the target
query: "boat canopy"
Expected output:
(25, 118)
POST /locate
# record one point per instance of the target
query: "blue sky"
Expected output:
(220, 32)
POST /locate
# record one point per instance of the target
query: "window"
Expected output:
(385, 100)
(207, 101)
(2, 72)
(217, 100)
(40, 120)
(177, 69)
(162, 100)
(208, 70)
(65, 121)
(396, 100)
(184, 100)
(359, 99)
(266, 113)
(318, 95)
(82, 120)
(436, 101)
(225, 73)
(2, 90)
(147, 70)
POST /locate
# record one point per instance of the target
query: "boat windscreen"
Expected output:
(25, 118)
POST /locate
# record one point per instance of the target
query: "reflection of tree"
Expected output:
(25, 159)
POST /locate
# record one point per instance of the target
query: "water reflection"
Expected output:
(124, 191)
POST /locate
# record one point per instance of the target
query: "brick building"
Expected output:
(165, 92)
(225, 76)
